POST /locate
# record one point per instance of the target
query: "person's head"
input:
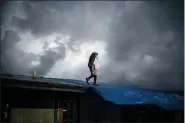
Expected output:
(96, 54)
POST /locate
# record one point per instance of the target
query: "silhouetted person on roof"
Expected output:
(92, 67)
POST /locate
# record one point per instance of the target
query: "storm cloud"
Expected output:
(138, 42)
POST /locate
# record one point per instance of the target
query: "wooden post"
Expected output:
(59, 112)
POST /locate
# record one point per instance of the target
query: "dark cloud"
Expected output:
(47, 61)
(8, 42)
(153, 29)
(144, 39)
(11, 57)
(15, 61)
(43, 18)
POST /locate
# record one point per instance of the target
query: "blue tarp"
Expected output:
(132, 95)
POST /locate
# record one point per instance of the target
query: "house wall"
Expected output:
(30, 115)
(38, 106)
(28, 106)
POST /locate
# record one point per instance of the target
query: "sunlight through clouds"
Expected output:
(74, 61)
(78, 61)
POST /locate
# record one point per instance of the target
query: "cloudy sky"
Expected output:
(138, 42)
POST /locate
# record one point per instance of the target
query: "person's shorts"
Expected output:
(92, 69)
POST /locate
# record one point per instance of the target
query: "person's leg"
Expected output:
(91, 76)
(94, 74)
(95, 77)
(88, 78)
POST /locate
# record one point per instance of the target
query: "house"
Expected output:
(51, 100)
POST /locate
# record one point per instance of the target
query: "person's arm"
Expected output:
(96, 57)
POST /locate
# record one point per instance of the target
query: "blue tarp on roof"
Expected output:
(132, 95)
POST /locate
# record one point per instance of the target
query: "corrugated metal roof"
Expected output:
(40, 83)
(39, 79)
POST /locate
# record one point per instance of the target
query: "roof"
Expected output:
(40, 83)
(122, 95)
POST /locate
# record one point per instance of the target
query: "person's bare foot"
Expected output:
(95, 84)
(87, 81)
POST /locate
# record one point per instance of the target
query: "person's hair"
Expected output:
(96, 53)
